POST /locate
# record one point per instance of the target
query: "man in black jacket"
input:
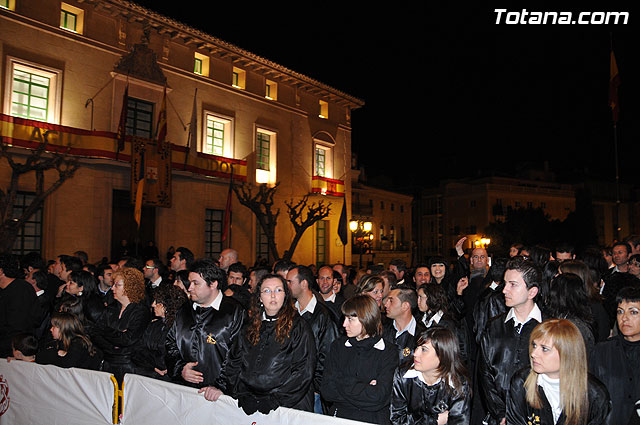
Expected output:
(319, 317)
(504, 347)
(616, 361)
(204, 329)
(404, 328)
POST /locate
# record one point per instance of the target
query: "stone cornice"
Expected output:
(133, 12)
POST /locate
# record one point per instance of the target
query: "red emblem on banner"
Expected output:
(4, 395)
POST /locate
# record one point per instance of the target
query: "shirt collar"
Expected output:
(411, 327)
(156, 282)
(378, 345)
(435, 318)
(311, 306)
(535, 314)
(215, 303)
(331, 298)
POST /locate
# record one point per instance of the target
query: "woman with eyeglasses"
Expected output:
(272, 362)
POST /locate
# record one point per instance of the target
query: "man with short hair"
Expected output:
(564, 252)
(325, 282)
(204, 329)
(319, 317)
(238, 287)
(17, 303)
(404, 328)
(182, 259)
(398, 267)
(616, 361)
(422, 275)
(151, 272)
(105, 282)
(227, 258)
(282, 267)
(504, 347)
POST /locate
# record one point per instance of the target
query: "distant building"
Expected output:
(390, 215)
(66, 66)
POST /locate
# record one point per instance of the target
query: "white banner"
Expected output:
(150, 401)
(49, 395)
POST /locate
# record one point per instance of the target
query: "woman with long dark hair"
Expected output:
(435, 389)
(273, 360)
(557, 389)
(71, 346)
(358, 372)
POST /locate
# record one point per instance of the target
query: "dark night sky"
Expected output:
(448, 92)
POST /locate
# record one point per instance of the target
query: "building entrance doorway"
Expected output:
(124, 227)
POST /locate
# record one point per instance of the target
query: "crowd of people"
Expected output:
(538, 336)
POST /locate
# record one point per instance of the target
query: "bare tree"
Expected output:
(37, 161)
(302, 215)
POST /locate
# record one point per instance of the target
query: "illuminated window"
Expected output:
(239, 78)
(8, 4)
(323, 160)
(71, 18)
(265, 156)
(201, 64)
(271, 90)
(219, 131)
(34, 91)
(321, 242)
(324, 109)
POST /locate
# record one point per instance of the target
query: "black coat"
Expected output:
(204, 335)
(459, 329)
(117, 336)
(17, 305)
(405, 342)
(77, 355)
(615, 363)
(519, 412)
(150, 352)
(502, 352)
(267, 375)
(349, 370)
(325, 331)
(489, 305)
(413, 402)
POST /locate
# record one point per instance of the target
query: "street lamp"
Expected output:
(362, 236)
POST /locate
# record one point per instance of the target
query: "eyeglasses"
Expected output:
(276, 291)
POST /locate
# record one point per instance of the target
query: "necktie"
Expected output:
(518, 328)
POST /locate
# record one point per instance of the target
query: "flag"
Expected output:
(614, 83)
(122, 125)
(161, 134)
(192, 138)
(342, 224)
(137, 211)
(226, 225)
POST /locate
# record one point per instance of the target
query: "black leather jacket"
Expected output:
(269, 374)
(502, 352)
(489, 305)
(325, 331)
(413, 402)
(203, 335)
(615, 362)
(519, 412)
(405, 342)
(150, 353)
(349, 370)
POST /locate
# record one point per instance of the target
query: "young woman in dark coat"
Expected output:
(435, 389)
(148, 356)
(272, 362)
(70, 346)
(358, 372)
(557, 389)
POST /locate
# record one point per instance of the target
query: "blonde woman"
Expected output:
(557, 389)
